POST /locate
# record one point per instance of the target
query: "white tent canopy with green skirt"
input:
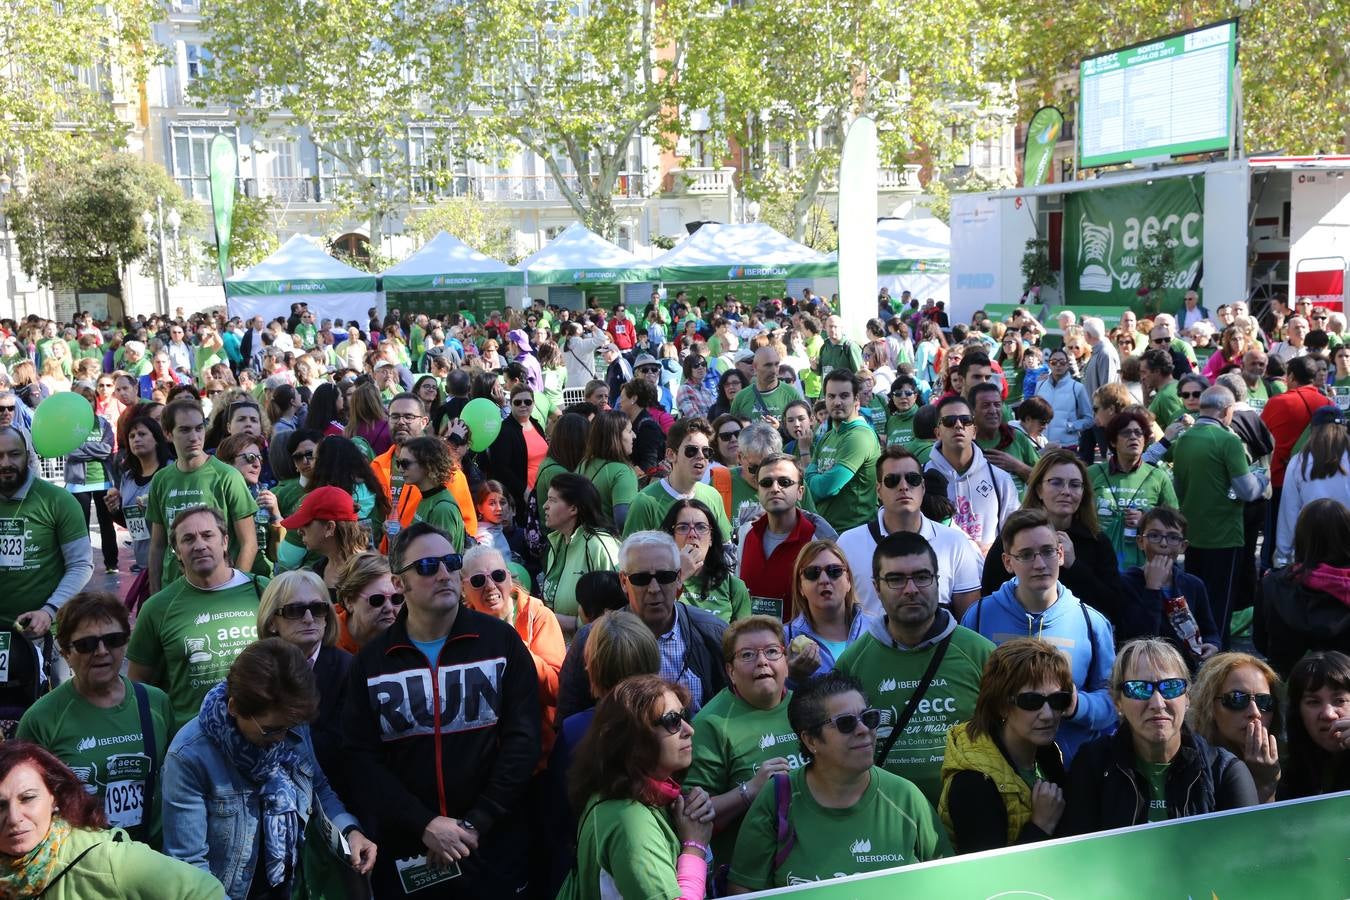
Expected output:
(301, 272)
(580, 256)
(914, 255)
(446, 263)
(749, 252)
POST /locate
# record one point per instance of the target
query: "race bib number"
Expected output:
(136, 524)
(11, 543)
(124, 803)
(5, 637)
(416, 873)
(766, 606)
(1342, 397)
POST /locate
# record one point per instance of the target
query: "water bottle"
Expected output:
(262, 516)
(1182, 620)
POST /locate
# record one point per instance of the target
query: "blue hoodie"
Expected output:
(1072, 626)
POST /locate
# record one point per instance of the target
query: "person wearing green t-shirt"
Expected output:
(1004, 446)
(841, 478)
(742, 737)
(689, 453)
(845, 816)
(837, 351)
(892, 657)
(426, 465)
(192, 480)
(901, 407)
(609, 442)
(187, 635)
(1155, 372)
(708, 583)
(45, 555)
(767, 397)
(1126, 487)
(93, 722)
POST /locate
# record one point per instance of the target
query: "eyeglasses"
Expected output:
(479, 580)
(522, 401)
(694, 452)
(402, 463)
(1189, 395)
(834, 572)
(266, 732)
(1025, 556)
(1032, 701)
(1170, 688)
(748, 656)
(662, 576)
(317, 609)
(1129, 433)
(847, 723)
(112, 640)
(673, 721)
(1237, 701)
(698, 529)
(893, 479)
(1162, 539)
(249, 458)
(1060, 484)
(405, 417)
(729, 435)
(430, 565)
(896, 581)
(378, 600)
(957, 421)
(303, 456)
(782, 481)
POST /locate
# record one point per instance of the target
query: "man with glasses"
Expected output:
(900, 488)
(841, 476)
(984, 496)
(1183, 354)
(407, 420)
(1156, 368)
(918, 665)
(187, 635)
(442, 735)
(769, 545)
(1295, 334)
(9, 411)
(192, 480)
(739, 485)
(1191, 312)
(1035, 603)
(689, 453)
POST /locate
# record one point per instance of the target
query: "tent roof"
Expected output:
(751, 251)
(580, 255)
(300, 267)
(446, 263)
(912, 245)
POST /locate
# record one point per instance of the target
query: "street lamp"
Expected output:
(154, 229)
(11, 289)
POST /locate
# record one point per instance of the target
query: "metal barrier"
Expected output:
(573, 395)
(53, 470)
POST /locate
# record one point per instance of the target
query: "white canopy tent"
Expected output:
(447, 263)
(749, 252)
(914, 255)
(578, 258)
(301, 272)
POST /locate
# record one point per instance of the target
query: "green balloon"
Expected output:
(484, 419)
(61, 423)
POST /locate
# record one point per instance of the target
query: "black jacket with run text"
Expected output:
(462, 744)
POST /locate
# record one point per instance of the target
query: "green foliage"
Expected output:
(1156, 264)
(483, 226)
(779, 211)
(1036, 269)
(81, 227)
(253, 232)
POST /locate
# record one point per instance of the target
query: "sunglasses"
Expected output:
(847, 723)
(402, 463)
(904, 393)
(1031, 701)
(729, 435)
(892, 481)
(782, 481)
(498, 575)
(813, 573)
(430, 565)
(695, 452)
(112, 640)
(523, 401)
(1170, 688)
(1189, 395)
(7, 408)
(249, 458)
(1238, 701)
(662, 576)
(1161, 341)
(296, 611)
(378, 600)
(303, 456)
(954, 421)
(673, 720)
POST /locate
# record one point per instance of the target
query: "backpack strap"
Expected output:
(786, 834)
(914, 699)
(148, 738)
(1092, 642)
(874, 529)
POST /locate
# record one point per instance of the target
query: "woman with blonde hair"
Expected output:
(1236, 705)
(367, 420)
(828, 612)
(367, 601)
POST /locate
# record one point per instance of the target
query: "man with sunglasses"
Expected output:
(769, 546)
(1035, 604)
(689, 453)
(916, 663)
(442, 734)
(840, 477)
(984, 496)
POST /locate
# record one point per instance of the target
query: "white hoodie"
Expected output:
(984, 496)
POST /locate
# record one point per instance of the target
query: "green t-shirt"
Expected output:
(215, 484)
(1167, 406)
(1258, 394)
(1156, 773)
(567, 561)
(625, 849)
(854, 445)
(922, 450)
(94, 471)
(206, 357)
(307, 334)
(890, 676)
(843, 355)
(729, 599)
(192, 636)
(775, 401)
(548, 469)
(438, 507)
(652, 503)
(1021, 449)
(32, 531)
(1205, 460)
(616, 482)
(891, 825)
(900, 426)
(106, 749)
(289, 493)
(1144, 488)
(732, 739)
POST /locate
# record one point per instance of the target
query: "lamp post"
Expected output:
(11, 289)
(154, 228)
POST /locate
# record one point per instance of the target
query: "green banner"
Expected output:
(1105, 229)
(597, 275)
(224, 172)
(300, 286)
(692, 274)
(462, 282)
(1042, 133)
(1291, 849)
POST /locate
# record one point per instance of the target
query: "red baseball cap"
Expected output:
(327, 504)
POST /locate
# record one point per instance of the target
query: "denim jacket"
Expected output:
(211, 810)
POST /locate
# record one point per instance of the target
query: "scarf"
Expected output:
(659, 793)
(271, 767)
(1329, 580)
(30, 874)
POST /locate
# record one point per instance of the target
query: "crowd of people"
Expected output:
(719, 598)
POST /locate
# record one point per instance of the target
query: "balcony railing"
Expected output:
(489, 188)
(697, 180)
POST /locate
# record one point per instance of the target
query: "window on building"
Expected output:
(198, 61)
(190, 149)
(434, 170)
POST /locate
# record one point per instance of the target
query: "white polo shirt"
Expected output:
(959, 561)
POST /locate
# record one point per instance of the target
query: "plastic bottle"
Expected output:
(1182, 620)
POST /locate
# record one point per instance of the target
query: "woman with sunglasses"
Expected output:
(101, 703)
(902, 403)
(426, 465)
(241, 780)
(1067, 397)
(694, 398)
(1002, 773)
(832, 800)
(1154, 768)
(1318, 729)
(367, 602)
(1236, 706)
(829, 617)
(729, 384)
(639, 834)
(516, 453)
(245, 453)
(708, 582)
(579, 541)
